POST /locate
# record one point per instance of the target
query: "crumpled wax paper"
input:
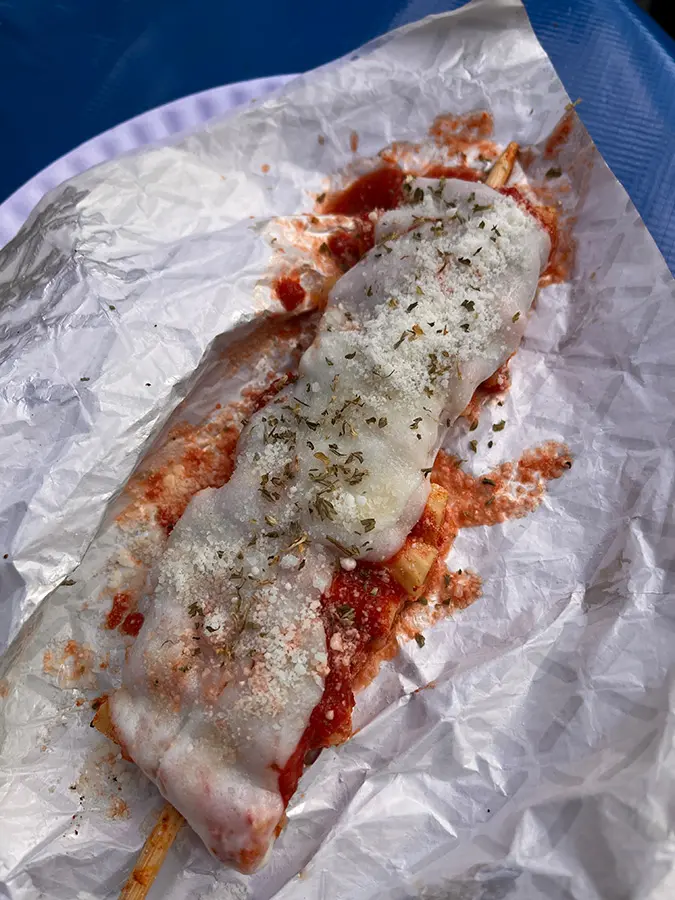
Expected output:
(526, 750)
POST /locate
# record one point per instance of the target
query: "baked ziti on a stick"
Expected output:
(246, 659)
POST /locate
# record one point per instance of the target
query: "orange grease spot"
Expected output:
(118, 809)
(353, 142)
(72, 664)
(560, 134)
(460, 134)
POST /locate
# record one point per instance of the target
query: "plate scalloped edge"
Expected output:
(156, 125)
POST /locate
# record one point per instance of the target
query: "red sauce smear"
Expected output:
(359, 611)
(498, 383)
(122, 603)
(465, 173)
(132, 624)
(269, 393)
(202, 467)
(289, 291)
(347, 247)
(501, 493)
(380, 189)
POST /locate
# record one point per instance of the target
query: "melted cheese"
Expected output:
(231, 660)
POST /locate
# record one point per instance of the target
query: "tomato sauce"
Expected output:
(498, 383)
(380, 189)
(359, 611)
(264, 397)
(289, 291)
(511, 490)
(122, 603)
(347, 247)
(466, 173)
(132, 624)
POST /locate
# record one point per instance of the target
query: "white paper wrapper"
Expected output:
(540, 763)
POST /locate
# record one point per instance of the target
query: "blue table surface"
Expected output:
(72, 69)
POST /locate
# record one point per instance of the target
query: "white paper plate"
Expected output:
(186, 114)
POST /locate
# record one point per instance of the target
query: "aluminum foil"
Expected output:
(526, 750)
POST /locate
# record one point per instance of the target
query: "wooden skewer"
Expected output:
(103, 723)
(160, 838)
(501, 171)
(412, 564)
(153, 854)
(410, 568)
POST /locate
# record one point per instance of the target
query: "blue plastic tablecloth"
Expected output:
(72, 69)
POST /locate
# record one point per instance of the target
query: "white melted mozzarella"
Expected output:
(221, 682)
